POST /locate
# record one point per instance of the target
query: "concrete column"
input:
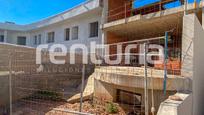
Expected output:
(185, 7)
(45, 37)
(203, 19)
(29, 40)
(193, 55)
(187, 45)
(198, 87)
(103, 43)
(103, 21)
(5, 36)
(104, 12)
(202, 4)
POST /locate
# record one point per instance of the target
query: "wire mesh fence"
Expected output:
(30, 88)
(126, 81)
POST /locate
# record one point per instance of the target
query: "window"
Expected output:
(21, 40)
(75, 32)
(67, 34)
(35, 40)
(51, 37)
(93, 29)
(39, 39)
(1, 38)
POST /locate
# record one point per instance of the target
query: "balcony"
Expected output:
(126, 9)
(152, 32)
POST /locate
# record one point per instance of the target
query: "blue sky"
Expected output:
(140, 3)
(28, 11)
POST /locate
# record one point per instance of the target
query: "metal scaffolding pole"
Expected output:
(165, 61)
(185, 7)
(145, 80)
(152, 88)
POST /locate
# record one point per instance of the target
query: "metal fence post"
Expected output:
(145, 80)
(10, 83)
(82, 87)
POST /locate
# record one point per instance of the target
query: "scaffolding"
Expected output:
(139, 7)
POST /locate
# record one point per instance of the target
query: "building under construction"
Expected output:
(176, 28)
(171, 87)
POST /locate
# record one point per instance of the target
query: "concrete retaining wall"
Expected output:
(29, 78)
(108, 81)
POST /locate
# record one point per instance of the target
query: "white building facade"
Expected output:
(77, 25)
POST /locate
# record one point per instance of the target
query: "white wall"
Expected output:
(13, 35)
(82, 22)
(202, 15)
(198, 70)
(4, 33)
(193, 31)
(83, 8)
(1, 32)
(187, 46)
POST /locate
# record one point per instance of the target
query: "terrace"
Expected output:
(128, 8)
(151, 32)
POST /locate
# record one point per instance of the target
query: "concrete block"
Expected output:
(171, 107)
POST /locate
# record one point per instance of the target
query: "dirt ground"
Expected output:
(43, 107)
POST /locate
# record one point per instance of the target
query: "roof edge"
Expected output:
(67, 14)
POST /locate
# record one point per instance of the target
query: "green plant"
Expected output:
(111, 108)
(47, 95)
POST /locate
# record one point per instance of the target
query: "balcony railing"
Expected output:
(131, 9)
(134, 59)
